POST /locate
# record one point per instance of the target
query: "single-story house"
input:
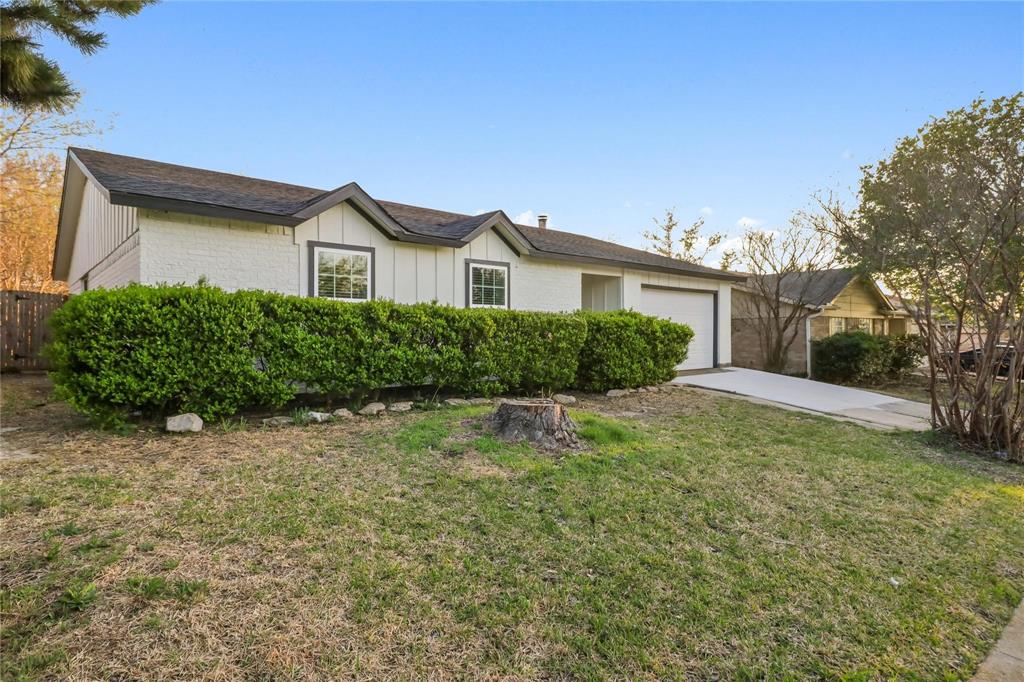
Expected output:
(125, 219)
(836, 300)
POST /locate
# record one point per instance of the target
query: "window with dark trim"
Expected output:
(342, 274)
(488, 285)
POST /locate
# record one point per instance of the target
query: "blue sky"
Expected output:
(601, 115)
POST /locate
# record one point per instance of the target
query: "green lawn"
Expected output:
(914, 387)
(701, 537)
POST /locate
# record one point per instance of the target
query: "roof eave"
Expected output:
(75, 178)
(506, 229)
(629, 265)
(357, 197)
(199, 208)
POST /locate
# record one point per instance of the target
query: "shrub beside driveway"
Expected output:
(698, 537)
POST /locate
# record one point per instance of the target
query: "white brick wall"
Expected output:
(546, 286)
(229, 254)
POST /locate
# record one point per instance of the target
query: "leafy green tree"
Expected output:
(27, 78)
(942, 222)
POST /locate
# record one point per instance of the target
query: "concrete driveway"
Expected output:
(873, 409)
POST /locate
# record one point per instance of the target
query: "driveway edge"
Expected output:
(1005, 663)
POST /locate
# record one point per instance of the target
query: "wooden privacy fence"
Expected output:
(23, 316)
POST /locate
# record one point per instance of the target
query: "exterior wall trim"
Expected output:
(130, 243)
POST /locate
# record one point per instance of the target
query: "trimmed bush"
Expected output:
(625, 349)
(907, 352)
(859, 357)
(171, 349)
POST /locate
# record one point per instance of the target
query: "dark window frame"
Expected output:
(312, 246)
(470, 262)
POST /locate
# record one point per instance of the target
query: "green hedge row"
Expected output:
(627, 349)
(862, 357)
(169, 349)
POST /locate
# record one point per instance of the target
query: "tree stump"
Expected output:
(542, 422)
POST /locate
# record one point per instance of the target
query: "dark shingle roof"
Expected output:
(434, 223)
(130, 175)
(815, 288)
(139, 181)
(571, 244)
(457, 225)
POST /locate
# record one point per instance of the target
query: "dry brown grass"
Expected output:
(414, 546)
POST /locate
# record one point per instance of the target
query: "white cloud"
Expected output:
(707, 210)
(747, 222)
(628, 204)
(847, 154)
(730, 244)
(525, 218)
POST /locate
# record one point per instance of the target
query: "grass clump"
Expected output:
(76, 598)
(601, 431)
(69, 529)
(159, 587)
(426, 434)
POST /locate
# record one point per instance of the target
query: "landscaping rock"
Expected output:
(341, 413)
(617, 393)
(184, 422)
(278, 421)
(400, 407)
(456, 402)
(652, 389)
(563, 399)
(8, 429)
(479, 401)
(372, 409)
(319, 417)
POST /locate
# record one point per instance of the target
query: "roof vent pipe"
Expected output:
(542, 221)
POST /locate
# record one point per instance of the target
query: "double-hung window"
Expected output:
(836, 325)
(342, 274)
(488, 285)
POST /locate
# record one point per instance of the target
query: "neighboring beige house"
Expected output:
(126, 220)
(837, 300)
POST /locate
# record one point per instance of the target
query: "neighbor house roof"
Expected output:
(813, 288)
(131, 181)
(816, 288)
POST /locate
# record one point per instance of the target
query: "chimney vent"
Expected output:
(542, 221)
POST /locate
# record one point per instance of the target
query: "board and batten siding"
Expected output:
(418, 273)
(106, 252)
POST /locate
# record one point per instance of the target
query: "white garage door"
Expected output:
(696, 309)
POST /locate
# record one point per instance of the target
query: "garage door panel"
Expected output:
(692, 308)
